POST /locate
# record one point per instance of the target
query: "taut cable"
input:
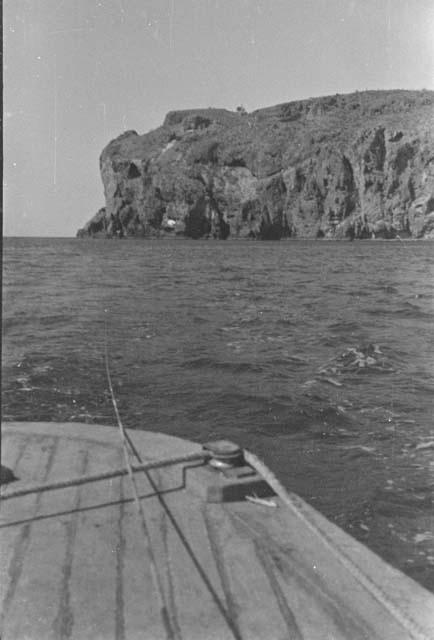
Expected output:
(140, 512)
(10, 492)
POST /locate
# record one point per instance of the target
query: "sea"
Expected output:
(316, 355)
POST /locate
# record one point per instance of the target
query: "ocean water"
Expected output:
(318, 356)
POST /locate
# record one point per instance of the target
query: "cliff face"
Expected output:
(358, 165)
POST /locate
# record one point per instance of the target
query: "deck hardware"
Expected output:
(265, 502)
(226, 452)
(226, 477)
(6, 475)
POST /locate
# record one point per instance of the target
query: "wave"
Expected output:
(344, 326)
(9, 325)
(359, 293)
(360, 359)
(288, 360)
(386, 288)
(219, 365)
(47, 321)
(406, 311)
(286, 322)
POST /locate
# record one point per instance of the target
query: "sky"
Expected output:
(77, 73)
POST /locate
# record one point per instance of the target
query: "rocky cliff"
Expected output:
(343, 166)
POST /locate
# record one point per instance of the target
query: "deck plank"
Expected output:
(36, 600)
(142, 615)
(257, 611)
(13, 448)
(32, 465)
(405, 594)
(316, 612)
(198, 592)
(324, 591)
(15, 539)
(91, 554)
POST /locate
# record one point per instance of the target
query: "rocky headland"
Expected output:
(343, 166)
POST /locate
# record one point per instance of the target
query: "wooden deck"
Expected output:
(73, 563)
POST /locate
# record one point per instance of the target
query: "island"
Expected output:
(352, 166)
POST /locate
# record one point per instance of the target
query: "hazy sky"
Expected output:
(79, 72)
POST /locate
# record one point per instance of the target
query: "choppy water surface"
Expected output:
(318, 356)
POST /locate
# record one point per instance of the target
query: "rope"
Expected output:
(8, 493)
(185, 542)
(408, 623)
(141, 515)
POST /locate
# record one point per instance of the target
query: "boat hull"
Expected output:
(74, 561)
